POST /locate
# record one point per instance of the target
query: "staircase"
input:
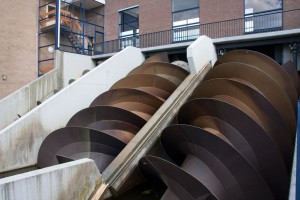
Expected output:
(71, 29)
(76, 42)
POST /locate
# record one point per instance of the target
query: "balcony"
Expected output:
(271, 21)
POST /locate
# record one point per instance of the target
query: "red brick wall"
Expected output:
(155, 15)
(291, 19)
(18, 52)
(219, 10)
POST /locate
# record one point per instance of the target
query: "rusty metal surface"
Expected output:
(118, 129)
(149, 83)
(264, 63)
(98, 113)
(270, 161)
(291, 69)
(115, 96)
(263, 83)
(229, 134)
(269, 118)
(100, 131)
(202, 152)
(74, 142)
(158, 57)
(183, 185)
(168, 71)
(235, 134)
(135, 101)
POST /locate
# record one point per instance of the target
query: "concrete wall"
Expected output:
(25, 99)
(73, 180)
(27, 133)
(74, 65)
(154, 15)
(18, 39)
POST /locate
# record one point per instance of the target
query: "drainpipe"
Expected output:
(294, 50)
(57, 24)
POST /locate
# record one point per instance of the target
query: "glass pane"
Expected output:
(267, 21)
(184, 4)
(129, 21)
(263, 22)
(253, 6)
(186, 17)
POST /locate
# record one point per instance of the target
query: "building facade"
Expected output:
(157, 23)
(157, 15)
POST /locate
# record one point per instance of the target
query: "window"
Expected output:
(129, 27)
(263, 15)
(185, 20)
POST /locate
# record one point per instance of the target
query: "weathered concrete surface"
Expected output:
(74, 65)
(73, 180)
(200, 52)
(26, 98)
(21, 140)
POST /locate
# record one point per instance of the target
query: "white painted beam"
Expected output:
(201, 52)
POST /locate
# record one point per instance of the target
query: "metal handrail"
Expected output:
(189, 32)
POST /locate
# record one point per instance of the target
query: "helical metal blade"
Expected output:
(225, 172)
(264, 63)
(98, 113)
(166, 70)
(269, 158)
(264, 111)
(70, 141)
(116, 115)
(152, 84)
(263, 83)
(158, 57)
(235, 134)
(184, 185)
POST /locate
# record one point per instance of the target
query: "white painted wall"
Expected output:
(200, 52)
(73, 180)
(25, 99)
(74, 65)
(21, 140)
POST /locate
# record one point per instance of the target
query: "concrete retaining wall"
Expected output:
(73, 180)
(74, 65)
(21, 140)
(25, 99)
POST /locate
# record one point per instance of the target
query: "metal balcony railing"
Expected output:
(274, 20)
(70, 27)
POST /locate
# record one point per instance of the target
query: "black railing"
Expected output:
(250, 24)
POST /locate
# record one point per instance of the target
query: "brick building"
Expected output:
(157, 23)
